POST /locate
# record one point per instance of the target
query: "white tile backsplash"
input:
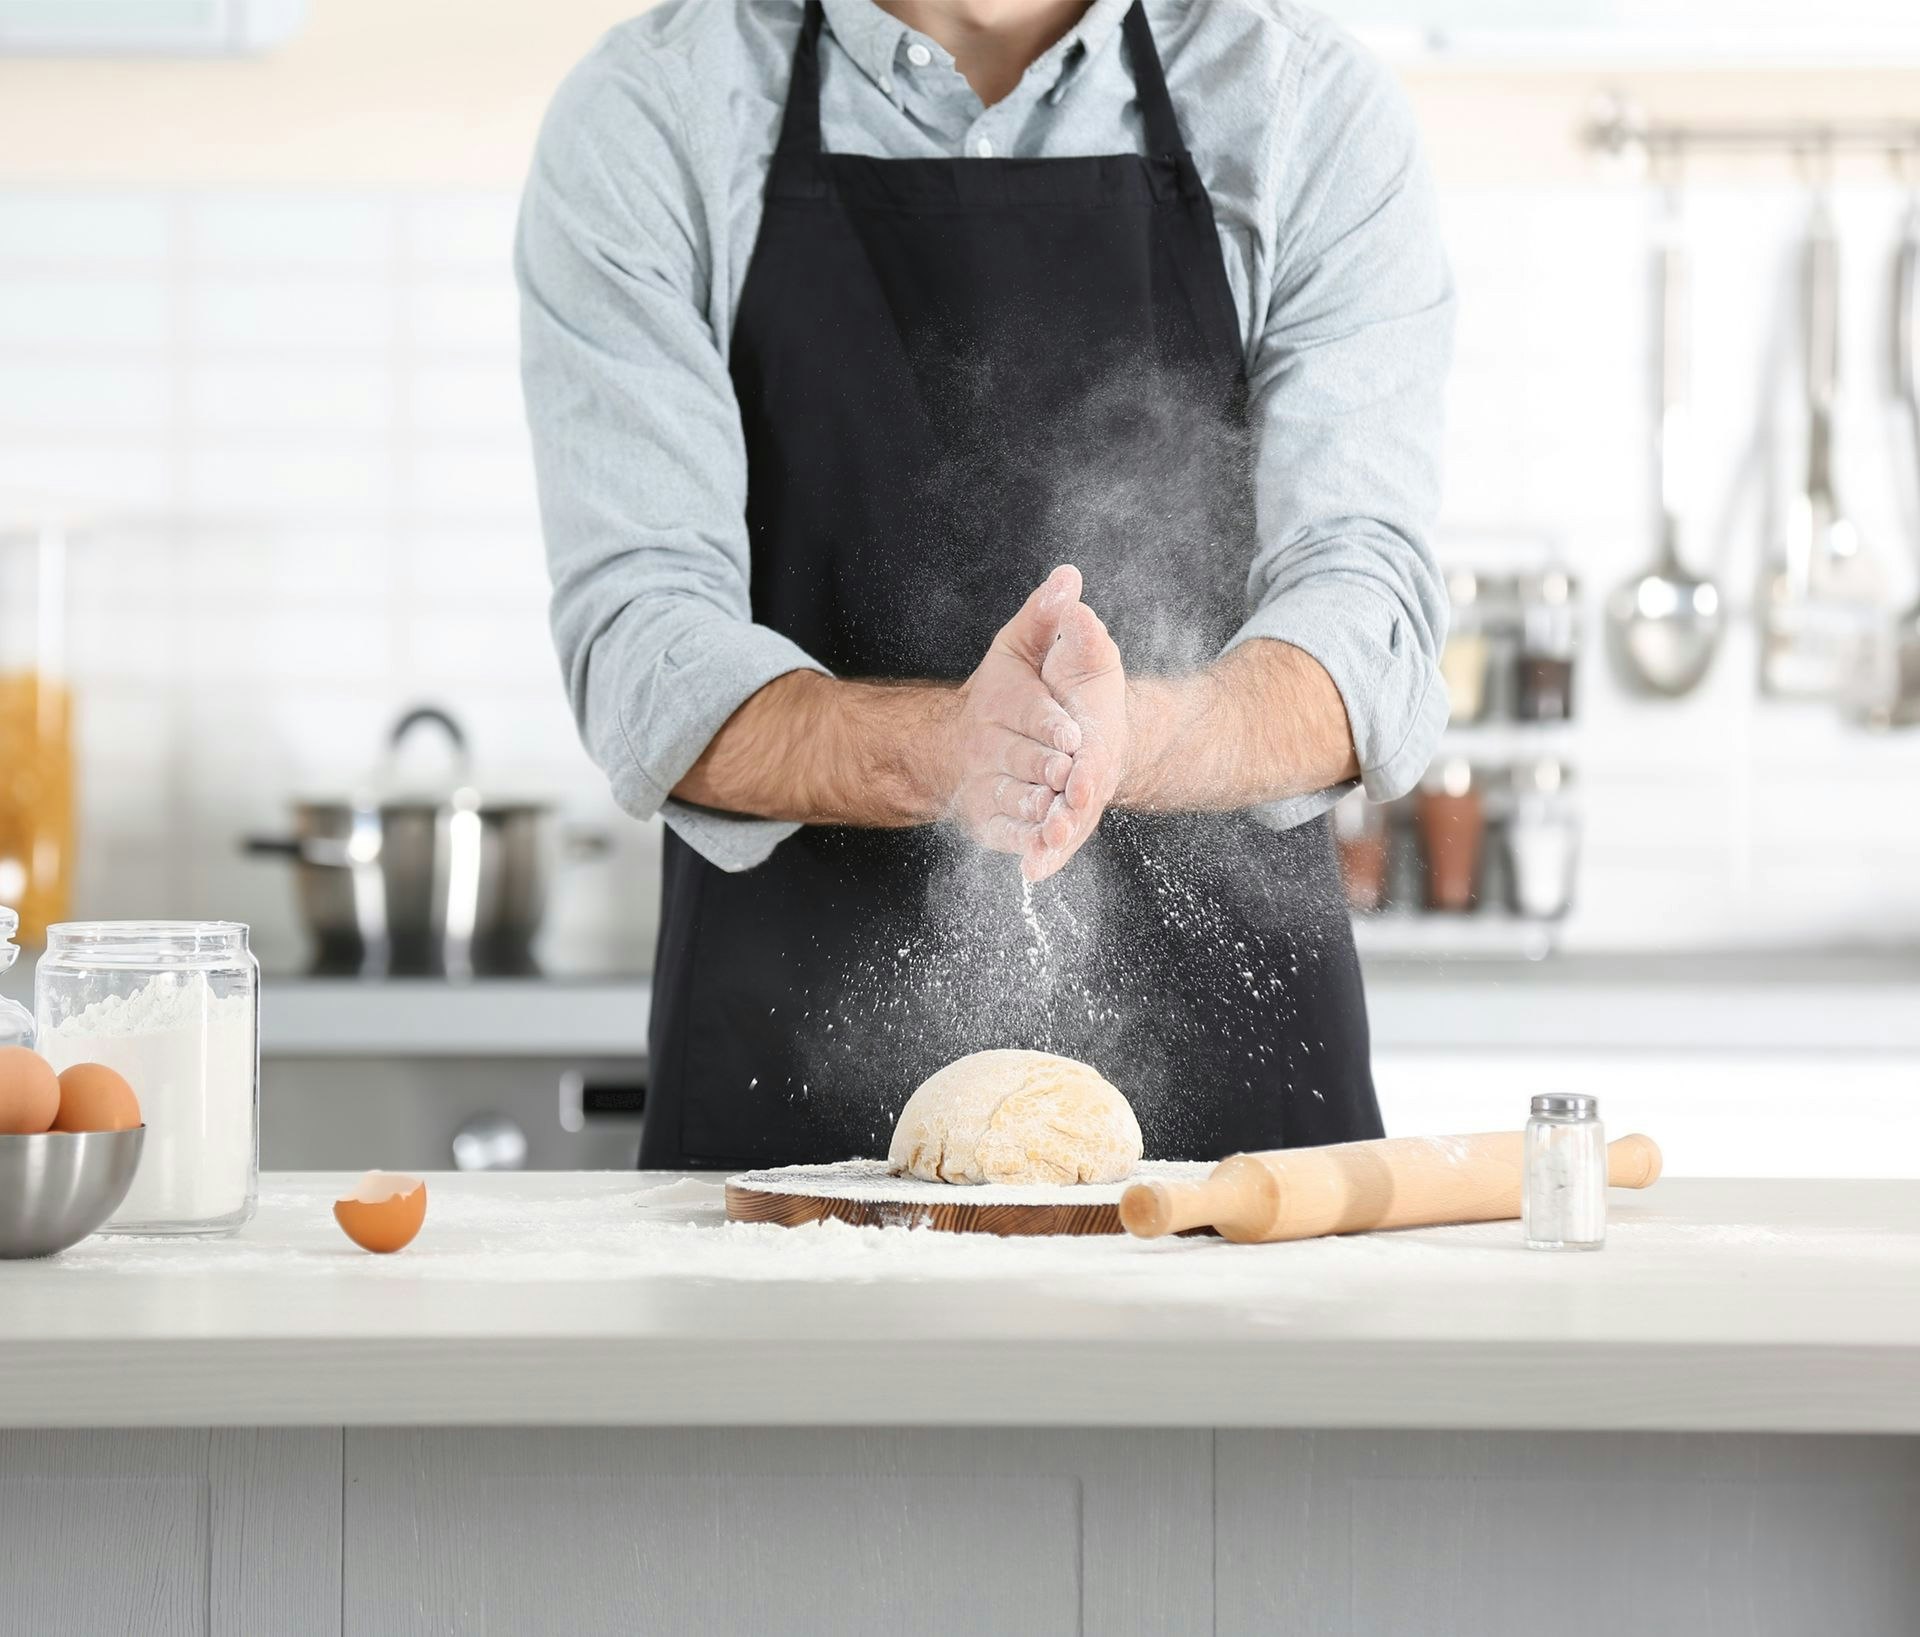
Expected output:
(92, 229)
(295, 315)
(466, 398)
(258, 230)
(86, 397)
(303, 479)
(62, 314)
(311, 397)
(459, 230)
(305, 407)
(130, 474)
(473, 315)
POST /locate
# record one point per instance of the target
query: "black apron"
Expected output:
(952, 375)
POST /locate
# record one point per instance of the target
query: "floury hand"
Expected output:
(1083, 671)
(1012, 743)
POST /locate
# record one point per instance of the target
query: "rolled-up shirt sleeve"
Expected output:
(1347, 385)
(638, 449)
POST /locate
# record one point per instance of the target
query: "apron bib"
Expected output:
(952, 375)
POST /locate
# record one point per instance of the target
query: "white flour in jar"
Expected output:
(189, 1056)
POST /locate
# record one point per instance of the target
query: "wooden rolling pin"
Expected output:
(1399, 1182)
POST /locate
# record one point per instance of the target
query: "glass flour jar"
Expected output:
(174, 1006)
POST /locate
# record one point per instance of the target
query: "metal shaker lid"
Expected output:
(1568, 1105)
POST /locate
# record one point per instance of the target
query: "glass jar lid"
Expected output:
(146, 943)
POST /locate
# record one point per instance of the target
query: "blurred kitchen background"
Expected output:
(265, 487)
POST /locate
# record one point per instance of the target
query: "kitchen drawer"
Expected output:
(436, 1113)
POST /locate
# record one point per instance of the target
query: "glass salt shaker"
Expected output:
(1563, 1184)
(1543, 841)
(174, 1006)
(16, 1022)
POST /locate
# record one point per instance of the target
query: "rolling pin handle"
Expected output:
(1633, 1162)
(1152, 1210)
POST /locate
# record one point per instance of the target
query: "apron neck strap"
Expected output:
(1150, 86)
(800, 124)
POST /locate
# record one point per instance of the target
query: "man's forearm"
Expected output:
(812, 749)
(1260, 724)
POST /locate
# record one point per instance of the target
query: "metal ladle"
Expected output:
(1664, 625)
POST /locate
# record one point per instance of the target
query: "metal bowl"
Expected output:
(58, 1186)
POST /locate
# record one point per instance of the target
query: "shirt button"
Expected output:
(984, 147)
(919, 55)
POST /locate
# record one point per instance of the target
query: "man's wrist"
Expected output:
(901, 737)
(1160, 713)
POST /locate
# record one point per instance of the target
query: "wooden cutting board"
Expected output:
(861, 1192)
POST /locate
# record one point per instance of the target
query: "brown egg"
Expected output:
(29, 1092)
(384, 1212)
(94, 1097)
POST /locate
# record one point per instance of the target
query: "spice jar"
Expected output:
(1463, 660)
(174, 1006)
(1548, 639)
(1500, 613)
(1360, 836)
(1543, 841)
(1451, 814)
(16, 1022)
(1563, 1184)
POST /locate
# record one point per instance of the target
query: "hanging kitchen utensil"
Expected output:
(1664, 625)
(1821, 605)
(1904, 707)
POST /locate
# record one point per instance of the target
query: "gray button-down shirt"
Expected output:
(635, 232)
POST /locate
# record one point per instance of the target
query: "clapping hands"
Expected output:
(1040, 738)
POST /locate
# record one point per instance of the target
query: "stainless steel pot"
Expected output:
(450, 884)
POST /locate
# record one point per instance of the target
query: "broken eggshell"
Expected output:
(385, 1212)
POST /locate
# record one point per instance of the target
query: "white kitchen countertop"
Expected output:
(604, 1298)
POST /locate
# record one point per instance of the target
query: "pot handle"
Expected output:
(271, 847)
(328, 855)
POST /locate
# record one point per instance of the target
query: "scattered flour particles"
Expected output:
(189, 1056)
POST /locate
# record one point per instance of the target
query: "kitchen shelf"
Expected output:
(1486, 936)
(1491, 743)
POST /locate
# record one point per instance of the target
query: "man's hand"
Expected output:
(1262, 723)
(1084, 672)
(993, 754)
(1013, 745)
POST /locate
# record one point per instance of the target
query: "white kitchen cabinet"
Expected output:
(1239, 1532)
(227, 1532)
(1580, 1535)
(791, 1530)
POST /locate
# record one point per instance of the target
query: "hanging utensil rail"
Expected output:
(1620, 128)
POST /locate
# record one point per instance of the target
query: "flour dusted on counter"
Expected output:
(190, 1057)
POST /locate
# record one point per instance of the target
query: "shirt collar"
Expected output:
(873, 38)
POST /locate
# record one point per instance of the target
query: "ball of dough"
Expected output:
(1010, 1116)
